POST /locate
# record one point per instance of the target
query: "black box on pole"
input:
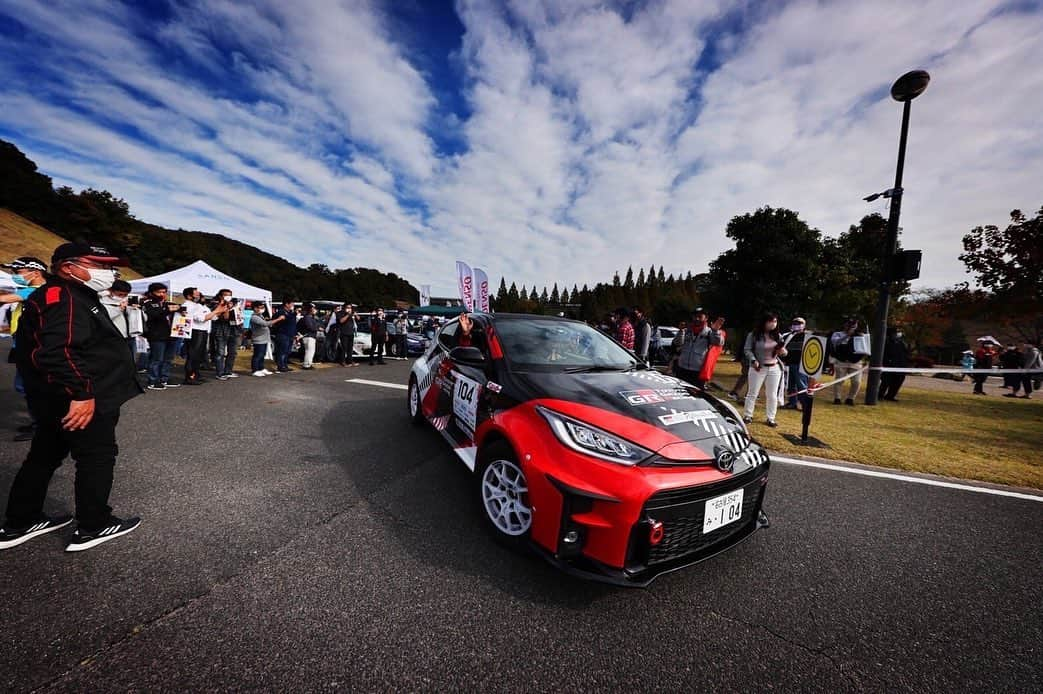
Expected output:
(905, 265)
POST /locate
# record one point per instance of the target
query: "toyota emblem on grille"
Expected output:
(725, 459)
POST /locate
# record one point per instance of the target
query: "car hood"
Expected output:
(664, 402)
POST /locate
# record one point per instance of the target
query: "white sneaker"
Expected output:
(260, 373)
(233, 375)
(267, 372)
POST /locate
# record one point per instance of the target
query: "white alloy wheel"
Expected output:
(415, 414)
(505, 497)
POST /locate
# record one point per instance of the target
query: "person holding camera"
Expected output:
(224, 333)
(159, 315)
(846, 360)
(378, 330)
(199, 317)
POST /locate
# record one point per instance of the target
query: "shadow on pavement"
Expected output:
(427, 499)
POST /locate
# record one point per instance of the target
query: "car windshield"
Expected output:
(554, 345)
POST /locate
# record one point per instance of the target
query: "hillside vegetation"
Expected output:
(99, 217)
(19, 236)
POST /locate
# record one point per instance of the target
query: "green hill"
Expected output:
(100, 217)
(19, 236)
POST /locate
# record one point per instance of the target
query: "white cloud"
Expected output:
(592, 140)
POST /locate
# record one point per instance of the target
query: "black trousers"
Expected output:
(689, 376)
(890, 384)
(94, 450)
(195, 355)
(378, 348)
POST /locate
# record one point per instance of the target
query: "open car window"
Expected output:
(447, 335)
(554, 345)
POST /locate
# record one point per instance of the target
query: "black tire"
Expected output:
(513, 528)
(416, 412)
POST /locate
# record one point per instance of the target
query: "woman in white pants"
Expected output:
(762, 349)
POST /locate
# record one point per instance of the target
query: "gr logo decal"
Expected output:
(649, 396)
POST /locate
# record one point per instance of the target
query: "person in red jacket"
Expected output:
(78, 372)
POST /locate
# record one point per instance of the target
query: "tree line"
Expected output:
(101, 218)
(780, 264)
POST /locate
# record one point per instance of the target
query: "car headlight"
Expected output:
(590, 440)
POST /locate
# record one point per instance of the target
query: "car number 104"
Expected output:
(722, 510)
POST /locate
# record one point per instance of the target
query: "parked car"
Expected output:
(660, 348)
(607, 468)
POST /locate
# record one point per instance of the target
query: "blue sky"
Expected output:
(549, 142)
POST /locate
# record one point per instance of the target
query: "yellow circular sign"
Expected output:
(812, 356)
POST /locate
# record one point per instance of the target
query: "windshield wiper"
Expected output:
(595, 368)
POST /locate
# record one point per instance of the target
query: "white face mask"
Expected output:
(100, 278)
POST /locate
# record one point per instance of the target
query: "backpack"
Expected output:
(844, 350)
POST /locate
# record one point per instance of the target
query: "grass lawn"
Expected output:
(992, 438)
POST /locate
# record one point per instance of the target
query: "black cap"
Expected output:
(120, 286)
(97, 254)
(26, 262)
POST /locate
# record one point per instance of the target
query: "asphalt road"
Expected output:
(299, 534)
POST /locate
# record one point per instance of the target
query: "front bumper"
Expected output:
(680, 511)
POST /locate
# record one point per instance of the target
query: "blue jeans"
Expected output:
(282, 351)
(225, 346)
(257, 360)
(160, 359)
(797, 381)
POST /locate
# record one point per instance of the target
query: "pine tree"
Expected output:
(640, 278)
(512, 294)
(565, 296)
(501, 294)
(615, 280)
(661, 277)
(628, 283)
(652, 276)
(555, 296)
(576, 298)
(544, 297)
(524, 294)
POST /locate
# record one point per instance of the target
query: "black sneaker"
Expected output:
(82, 539)
(850, 402)
(156, 386)
(836, 401)
(26, 429)
(11, 537)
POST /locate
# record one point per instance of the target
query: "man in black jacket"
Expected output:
(159, 315)
(378, 331)
(896, 354)
(78, 372)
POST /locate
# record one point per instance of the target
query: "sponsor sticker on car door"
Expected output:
(465, 402)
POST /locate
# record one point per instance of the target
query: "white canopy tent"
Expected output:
(206, 279)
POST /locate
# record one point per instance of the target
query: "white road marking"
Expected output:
(396, 386)
(905, 478)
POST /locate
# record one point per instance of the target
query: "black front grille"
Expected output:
(682, 513)
(685, 495)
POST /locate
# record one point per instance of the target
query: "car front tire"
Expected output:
(416, 411)
(503, 494)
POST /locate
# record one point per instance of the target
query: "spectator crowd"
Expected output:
(81, 339)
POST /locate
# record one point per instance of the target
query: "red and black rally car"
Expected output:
(609, 469)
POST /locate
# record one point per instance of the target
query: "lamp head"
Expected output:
(910, 85)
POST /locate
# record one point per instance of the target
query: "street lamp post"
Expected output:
(905, 89)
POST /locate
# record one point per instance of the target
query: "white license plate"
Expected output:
(722, 510)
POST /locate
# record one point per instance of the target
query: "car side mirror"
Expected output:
(467, 356)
